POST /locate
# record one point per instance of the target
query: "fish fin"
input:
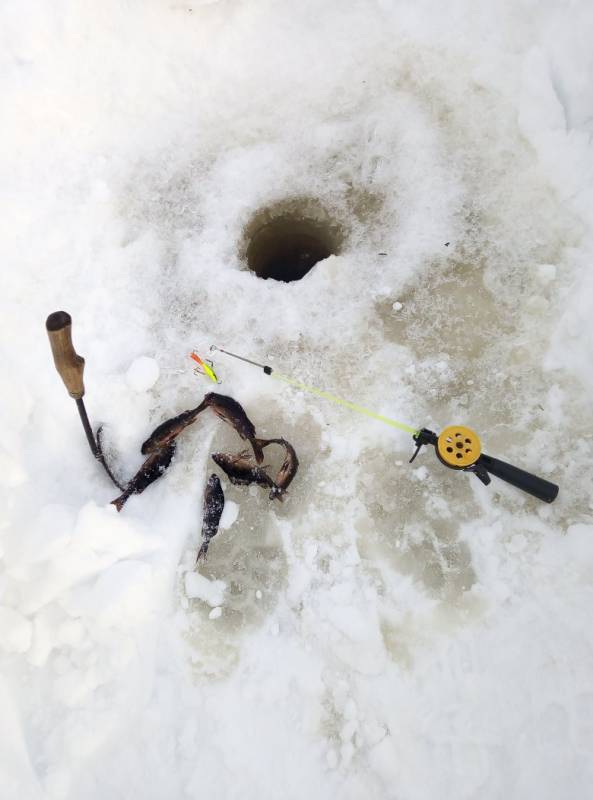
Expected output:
(257, 450)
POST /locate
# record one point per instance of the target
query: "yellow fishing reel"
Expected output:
(458, 447)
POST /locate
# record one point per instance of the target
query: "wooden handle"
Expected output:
(69, 364)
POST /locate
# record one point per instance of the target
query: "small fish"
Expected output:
(231, 412)
(213, 507)
(169, 430)
(153, 468)
(241, 470)
(287, 471)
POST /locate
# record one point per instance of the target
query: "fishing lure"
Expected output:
(205, 367)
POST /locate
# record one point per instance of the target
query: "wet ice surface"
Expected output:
(390, 631)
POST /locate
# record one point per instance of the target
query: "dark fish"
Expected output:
(231, 412)
(153, 468)
(213, 507)
(167, 431)
(241, 469)
(288, 469)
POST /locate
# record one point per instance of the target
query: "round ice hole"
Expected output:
(286, 249)
(285, 241)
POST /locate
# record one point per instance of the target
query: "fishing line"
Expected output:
(457, 446)
(346, 403)
(321, 393)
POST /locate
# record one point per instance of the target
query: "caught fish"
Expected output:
(169, 430)
(288, 469)
(213, 507)
(153, 468)
(231, 412)
(241, 470)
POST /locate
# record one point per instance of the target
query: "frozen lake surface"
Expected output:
(391, 631)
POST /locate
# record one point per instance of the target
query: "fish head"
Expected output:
(277, 493)
(213, 481)
(223, 460)
(148, 446)
(229, 410)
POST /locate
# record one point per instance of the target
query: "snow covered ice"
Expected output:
(142, 374)
(389, 632)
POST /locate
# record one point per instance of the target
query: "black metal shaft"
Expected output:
(96, 449)
(87, 428)
(267, 370)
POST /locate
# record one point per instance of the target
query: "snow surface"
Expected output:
(143, 374)
(387, 632)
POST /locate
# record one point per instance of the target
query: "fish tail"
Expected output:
(202, 552)
(265, 442)
(119, 501)
(257, 449)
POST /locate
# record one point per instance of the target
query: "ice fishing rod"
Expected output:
(70, 367)
(456, 447)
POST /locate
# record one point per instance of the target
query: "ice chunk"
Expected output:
(546, 272)
(200, 588)
(12, 473)
(229, 515)
(142, 374)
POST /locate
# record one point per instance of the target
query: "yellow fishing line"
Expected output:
(346, 403)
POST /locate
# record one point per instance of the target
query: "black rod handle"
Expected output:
(532, 484)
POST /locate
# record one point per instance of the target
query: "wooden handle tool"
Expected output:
(69, 364)
(70, 367)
